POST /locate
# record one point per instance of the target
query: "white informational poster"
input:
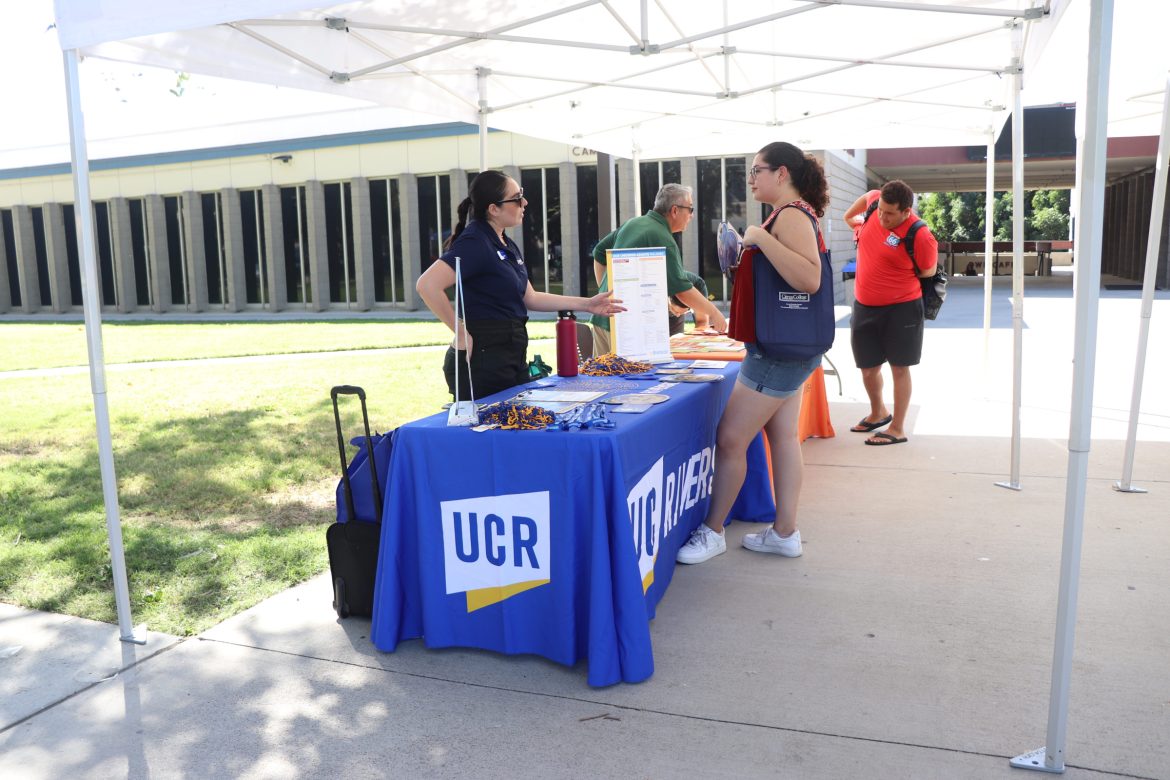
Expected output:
(638, 279)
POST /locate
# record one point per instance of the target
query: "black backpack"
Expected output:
(934, 288)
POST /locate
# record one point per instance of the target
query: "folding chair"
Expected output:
(832, 369)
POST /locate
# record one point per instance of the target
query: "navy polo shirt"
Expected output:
(494, 275)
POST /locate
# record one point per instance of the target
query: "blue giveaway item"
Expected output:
(360, 475)
(729, 245)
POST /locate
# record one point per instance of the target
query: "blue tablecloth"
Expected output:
(554, 543)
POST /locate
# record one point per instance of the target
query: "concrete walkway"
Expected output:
(914, 639)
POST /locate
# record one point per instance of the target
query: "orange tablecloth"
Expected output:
(814, 408)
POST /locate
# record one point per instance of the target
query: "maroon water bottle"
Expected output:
(566, 344)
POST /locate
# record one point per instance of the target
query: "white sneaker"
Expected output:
(771, 542)
(703, 545)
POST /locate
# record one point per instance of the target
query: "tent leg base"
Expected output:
(1128, 488)
(1009, 485)
(137, 635)
(1036, 760)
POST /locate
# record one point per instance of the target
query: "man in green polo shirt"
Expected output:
(673, 208)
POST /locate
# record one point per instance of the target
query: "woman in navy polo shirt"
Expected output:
(496, 290)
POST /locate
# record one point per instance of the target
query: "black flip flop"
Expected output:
(885, 439)
(865, 426)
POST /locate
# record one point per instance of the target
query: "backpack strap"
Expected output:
(908, 242)
(870, 210)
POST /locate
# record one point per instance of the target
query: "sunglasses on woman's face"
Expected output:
(517, 198)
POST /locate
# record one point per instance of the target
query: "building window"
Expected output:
(214, 253)
(10, 258)
(722, 196)
(339, 240)
(296, 237)
(255, 265)
(434, 217)
(138, 247)
(104, 240)
(386, 224)
(542, 228)
(72, 255)
(42, 254)
(176, 249)
(587, 237)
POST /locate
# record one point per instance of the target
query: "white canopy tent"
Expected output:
(627, 77)
(719, 77)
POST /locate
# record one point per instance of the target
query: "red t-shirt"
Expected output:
(884, 276)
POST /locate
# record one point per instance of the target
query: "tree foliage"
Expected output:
(959, 216)
(1050, 217)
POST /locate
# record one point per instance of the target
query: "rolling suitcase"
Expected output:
(353, 540)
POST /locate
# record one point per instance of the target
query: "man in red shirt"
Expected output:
(887, 320)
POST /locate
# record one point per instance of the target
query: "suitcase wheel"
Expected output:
(339, 604)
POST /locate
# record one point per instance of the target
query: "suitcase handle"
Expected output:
(347, 390)
(348, 492)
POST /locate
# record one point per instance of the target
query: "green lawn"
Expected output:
(25, 345)
(226, 469)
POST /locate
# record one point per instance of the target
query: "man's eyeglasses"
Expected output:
(519, 196)
(755, 170)
(684, 206)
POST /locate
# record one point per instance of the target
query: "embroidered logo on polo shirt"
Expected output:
(892, 240)
(496, 546)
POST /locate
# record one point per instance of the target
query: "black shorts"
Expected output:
(499, 358)
(887, 334)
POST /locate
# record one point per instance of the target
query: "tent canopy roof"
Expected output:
(615, 75)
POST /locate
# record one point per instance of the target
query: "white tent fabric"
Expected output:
(715, 77)
(681, 78)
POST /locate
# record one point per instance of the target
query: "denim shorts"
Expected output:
(773, 376)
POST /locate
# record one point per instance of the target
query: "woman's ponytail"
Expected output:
(812, 185)
(464, 208)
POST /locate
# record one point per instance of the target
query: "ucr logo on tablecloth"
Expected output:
(659, 501)
(645, 503)
(496, 546)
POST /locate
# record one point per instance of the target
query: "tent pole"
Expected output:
(83, 214)
(1091, 170)
(1017, 273)
(988, 255)
(723, 201)
(1153, 248)
(606, 219)
(636, 153)
(481, 75)
(645, 33)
